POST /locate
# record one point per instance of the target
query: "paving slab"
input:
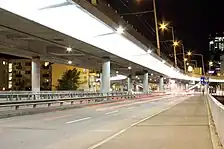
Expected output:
(185, 126)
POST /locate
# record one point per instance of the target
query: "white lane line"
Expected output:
(134, 124)
(112, 112)
(78, 120)
(108, 139)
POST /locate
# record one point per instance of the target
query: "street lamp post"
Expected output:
(174, 47)
(185, 69)
(202, 60)
(157, 30)
(163, 27)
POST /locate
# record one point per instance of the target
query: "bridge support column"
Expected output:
(36, 74)
(146, 83)
(106, 77)
(101, 86)
(161, 84)
(129, 84)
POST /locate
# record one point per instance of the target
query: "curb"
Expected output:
(213, 133)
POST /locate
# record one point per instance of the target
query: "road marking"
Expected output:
(134, 124)
(131, 103)
(78, 120)
(112, 112)
(108, 139)
(54, 118)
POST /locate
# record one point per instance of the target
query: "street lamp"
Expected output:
(165, 26)
(157, 30)
(189, 53)
(175, 43)
(156, 22)
(202, 59)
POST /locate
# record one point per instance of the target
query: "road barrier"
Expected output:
(217, 110)
(15, 100)
(34, 99)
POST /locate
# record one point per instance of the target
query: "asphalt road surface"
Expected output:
(79, 128)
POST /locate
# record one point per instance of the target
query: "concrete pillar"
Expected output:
(36, 74)
(122, 86)
(106, 77)
(161, 84)
(91, 81)
(129, 84)
(101, 85)
(182, 86)
(146, 83)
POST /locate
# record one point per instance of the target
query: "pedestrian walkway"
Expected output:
(185, 126)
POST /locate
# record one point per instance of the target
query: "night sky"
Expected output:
(193, 20)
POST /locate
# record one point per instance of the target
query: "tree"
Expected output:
(69, 80)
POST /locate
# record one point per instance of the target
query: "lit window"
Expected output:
(10, 67)
(3, 62)
(10, 76)
(10, 84)
(211, 42)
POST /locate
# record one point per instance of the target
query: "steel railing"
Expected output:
(46, 95)
(217, 110)
(15, 100)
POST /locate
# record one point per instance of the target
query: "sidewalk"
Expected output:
(184, 126)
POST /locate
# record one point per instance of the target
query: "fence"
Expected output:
(217, 110)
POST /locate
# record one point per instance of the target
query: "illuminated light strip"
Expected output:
(69, 18)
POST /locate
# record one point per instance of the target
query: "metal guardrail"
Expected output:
(47, 95)
(217, 110)
(49, 102)
(43, 98)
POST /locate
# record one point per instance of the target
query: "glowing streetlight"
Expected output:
(189, 53)
(163, 26)
(175, 43)
(120, 30)
(185, 59)
(129, 68)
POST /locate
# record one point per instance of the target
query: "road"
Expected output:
(79, 128)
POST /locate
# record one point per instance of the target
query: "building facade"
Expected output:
(3, 74)
(216, 46)
(21, 74)
(16, 74)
